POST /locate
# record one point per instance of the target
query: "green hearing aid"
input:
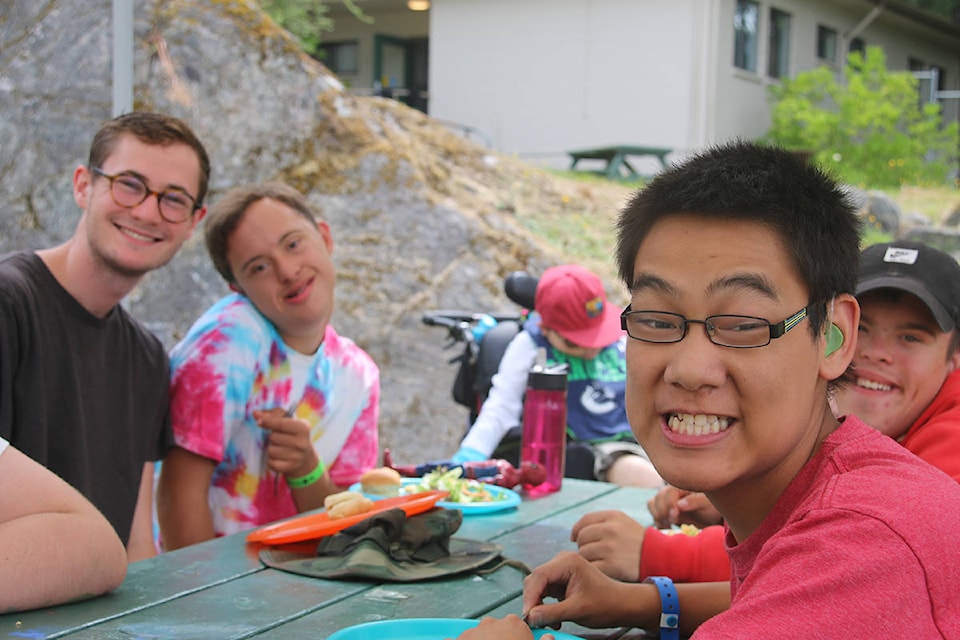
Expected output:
(834, 339)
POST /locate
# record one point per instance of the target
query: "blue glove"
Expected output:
(466, 454)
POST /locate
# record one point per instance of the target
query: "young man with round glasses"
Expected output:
(831, 528)
(83, 386)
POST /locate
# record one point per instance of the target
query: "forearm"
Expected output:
(86, 559)
(700, 601)
(183, 523)
(183, 507)
(312, 496)
(639, 606)
(141, 544)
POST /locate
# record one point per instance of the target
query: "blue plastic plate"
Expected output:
(511, 499)
(421, 629)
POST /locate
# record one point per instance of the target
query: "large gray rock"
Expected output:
(415, 209)
(878, 211)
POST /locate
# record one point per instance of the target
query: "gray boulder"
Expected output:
(422, 218)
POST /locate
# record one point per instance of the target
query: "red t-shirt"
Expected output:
(934, 437)
(861, 544)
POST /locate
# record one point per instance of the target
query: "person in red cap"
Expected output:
(574, 324)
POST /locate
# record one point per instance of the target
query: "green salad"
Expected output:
(458, 488)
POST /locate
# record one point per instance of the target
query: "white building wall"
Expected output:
(541, 77)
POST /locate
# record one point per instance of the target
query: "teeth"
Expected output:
(697, 425)
(873, 386)
(138, 236)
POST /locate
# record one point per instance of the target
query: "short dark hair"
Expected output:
(767, 185)
(228, 211)
(152, 129)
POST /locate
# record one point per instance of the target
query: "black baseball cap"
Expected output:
(928, 273)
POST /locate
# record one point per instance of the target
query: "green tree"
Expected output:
(871, 129)
(306, 20)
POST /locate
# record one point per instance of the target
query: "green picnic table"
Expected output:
(617, 164)
(219, 589)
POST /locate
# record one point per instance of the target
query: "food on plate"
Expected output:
(495, 471)
(346, 504)
(458, 489)
(382, 481)
(683, 529)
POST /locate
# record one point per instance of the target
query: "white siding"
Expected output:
(541, 77)
(545, 76)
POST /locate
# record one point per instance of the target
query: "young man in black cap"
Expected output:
(908, 350)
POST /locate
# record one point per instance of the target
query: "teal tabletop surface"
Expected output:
(219, 589)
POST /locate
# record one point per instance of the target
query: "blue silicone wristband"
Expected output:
(669, 607)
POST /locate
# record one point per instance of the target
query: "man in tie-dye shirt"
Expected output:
(263, 389)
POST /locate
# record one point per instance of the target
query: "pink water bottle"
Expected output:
(544, 439)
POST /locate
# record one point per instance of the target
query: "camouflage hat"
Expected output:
(391, 547)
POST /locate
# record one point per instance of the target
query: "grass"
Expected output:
(581, 227)
(934, 203)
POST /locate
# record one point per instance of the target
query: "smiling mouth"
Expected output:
(872, 385)
(136, 235)
(298, 291)
(699, 424)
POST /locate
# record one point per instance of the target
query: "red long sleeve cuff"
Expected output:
(685, 558)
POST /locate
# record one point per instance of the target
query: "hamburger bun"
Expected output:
(334, 499)
(382, 481)
(346, 504)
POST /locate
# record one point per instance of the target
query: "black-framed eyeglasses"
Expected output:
(128, 190)
(739, 332)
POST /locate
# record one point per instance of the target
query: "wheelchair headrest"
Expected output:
(521, 288)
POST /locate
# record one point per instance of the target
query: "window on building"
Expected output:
(857, 44)
(745, 24)
(826, 44)
(778, 62)
(339, 57)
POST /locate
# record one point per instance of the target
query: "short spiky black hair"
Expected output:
(767, 185)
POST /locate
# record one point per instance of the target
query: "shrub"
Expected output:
(870, 129)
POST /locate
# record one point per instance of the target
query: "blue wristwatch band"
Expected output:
(669, 607)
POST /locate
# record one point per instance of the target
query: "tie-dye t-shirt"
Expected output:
(233, 362)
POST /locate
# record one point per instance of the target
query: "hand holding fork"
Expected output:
(267, 421)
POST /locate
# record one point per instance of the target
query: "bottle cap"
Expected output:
(549, 379)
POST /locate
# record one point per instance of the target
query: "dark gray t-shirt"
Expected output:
(86, 397)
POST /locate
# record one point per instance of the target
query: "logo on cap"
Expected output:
(594, 307)
(901, 255)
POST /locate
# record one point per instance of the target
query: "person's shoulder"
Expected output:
(144, 342)
(858, 444)
(230, 313)
(232, 322)
(345, 349)
(19, 272)
(873, 469)
(950, 389)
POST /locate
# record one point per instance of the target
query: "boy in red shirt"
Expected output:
(742, 268)
(905, 384)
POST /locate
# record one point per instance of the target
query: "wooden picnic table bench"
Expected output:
(616, 158)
